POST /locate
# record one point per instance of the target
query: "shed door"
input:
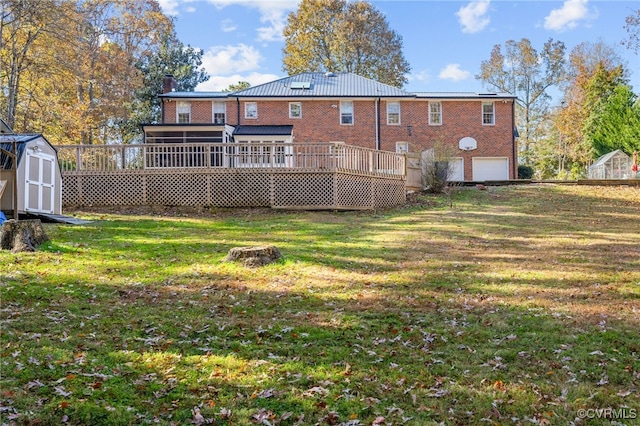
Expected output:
(490, 168)
(40, 173)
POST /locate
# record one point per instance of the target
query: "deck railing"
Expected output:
(334, 156)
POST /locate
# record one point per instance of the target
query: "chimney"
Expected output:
(168, 83)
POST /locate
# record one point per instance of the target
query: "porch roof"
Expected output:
(263, 130)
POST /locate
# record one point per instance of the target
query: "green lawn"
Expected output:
(513, 306)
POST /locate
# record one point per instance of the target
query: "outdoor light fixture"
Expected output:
(409, 130)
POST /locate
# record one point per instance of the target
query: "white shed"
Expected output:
(613, 165)
(39, 182)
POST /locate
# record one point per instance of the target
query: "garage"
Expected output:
(490, 168)
(456, 170)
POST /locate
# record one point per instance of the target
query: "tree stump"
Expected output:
(254, 256)
(22, 235)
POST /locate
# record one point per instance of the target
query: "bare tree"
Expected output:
(528, 74)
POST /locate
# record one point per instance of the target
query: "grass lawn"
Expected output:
(513, 306)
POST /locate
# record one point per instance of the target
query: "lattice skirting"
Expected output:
(233, 188)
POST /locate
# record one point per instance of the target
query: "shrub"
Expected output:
(437, 167)
(525, 172)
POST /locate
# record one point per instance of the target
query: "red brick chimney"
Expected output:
(168, 83)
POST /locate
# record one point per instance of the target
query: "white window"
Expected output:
(295, 110)
(250, 110)
(219, 112)
(393, 113)
(346, 112)
(402, 147)
(488, 116)
(183, 111)
(435, 113)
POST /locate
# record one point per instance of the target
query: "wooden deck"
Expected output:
(292, 176)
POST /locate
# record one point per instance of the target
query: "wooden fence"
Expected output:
(279, 175)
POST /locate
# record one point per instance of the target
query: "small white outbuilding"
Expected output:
(39, 181)
(613, 165)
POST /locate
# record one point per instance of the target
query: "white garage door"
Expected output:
(490, 169)
(457, 170)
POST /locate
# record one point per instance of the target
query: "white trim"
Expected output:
(493, 113)
(344, 110)
(432, 123)
(457, 169)
(504, 172)
(40, 181)
(246, 110)
(394, 103)
(223, 111)
(402, 147)
(183, 107)
(299, 105)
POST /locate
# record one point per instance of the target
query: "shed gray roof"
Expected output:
(317, 84)
(6, 143)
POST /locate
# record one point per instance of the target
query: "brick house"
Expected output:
(329, 107)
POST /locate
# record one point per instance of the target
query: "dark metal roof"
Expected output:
(6, 143)
(263, 130)
(317, 84)
(4, 128)
(194, 95)
(186, 125)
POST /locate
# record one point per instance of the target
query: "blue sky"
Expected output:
(444, 41)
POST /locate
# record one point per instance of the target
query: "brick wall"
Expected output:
(201, 111)
(320, 122)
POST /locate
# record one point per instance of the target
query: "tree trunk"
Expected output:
(254, 256)
(22, 235)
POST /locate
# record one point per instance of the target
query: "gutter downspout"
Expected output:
(238, 111)
(513, 138)
(377, 107)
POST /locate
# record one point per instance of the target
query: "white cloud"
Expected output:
(454, 73)
(217, 82)
(272, 13)
(473, 17)
(169, 7)
(224, 60)
(422, 76)
(568, 16)
(228, 25)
